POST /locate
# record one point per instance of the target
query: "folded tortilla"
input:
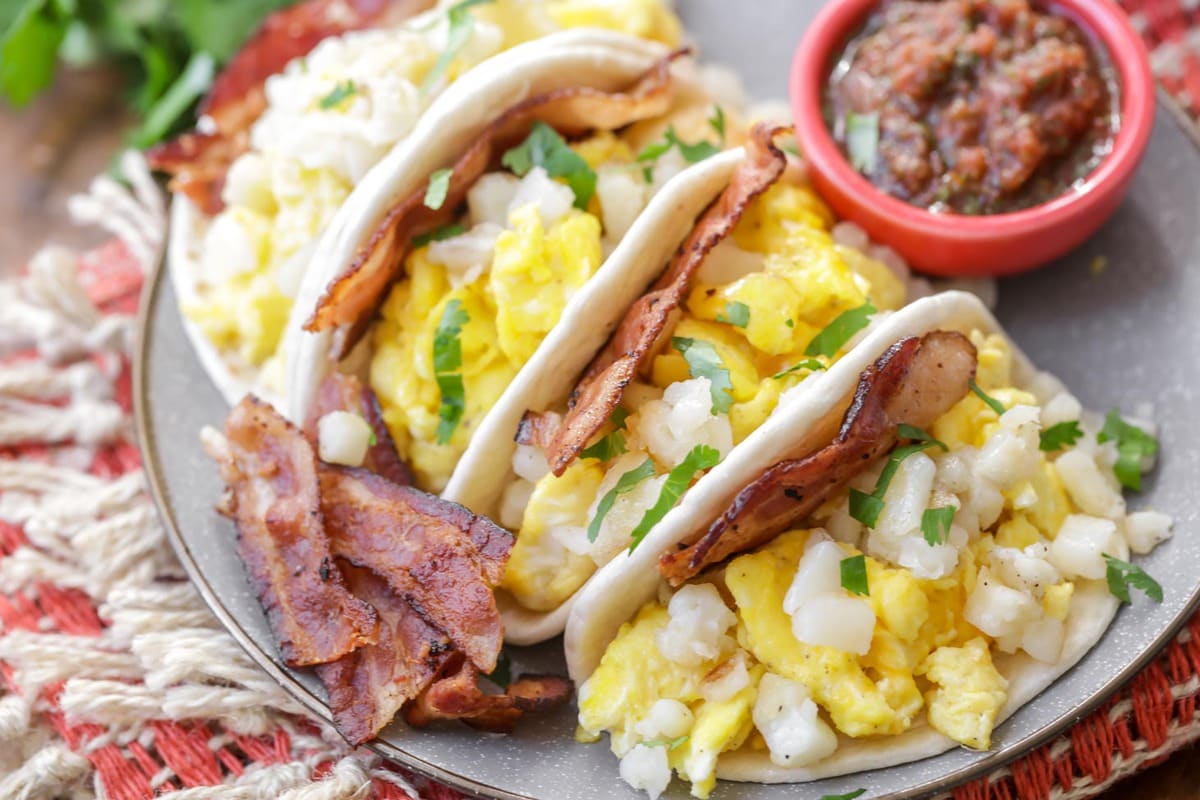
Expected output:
(809, 421)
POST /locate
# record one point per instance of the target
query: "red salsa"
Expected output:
(972, 106)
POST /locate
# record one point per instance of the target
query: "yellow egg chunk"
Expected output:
(248, 315)
(1057, 600)
(602, 147)
(542, 573)
(648, 19)
(719, 728)
(970, 693)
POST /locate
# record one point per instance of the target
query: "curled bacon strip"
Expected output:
(639, 334)
(342, 392)
(440, 557)
(351, 298)
(270, 472)
(458, 696)
(199, 161)
(369, 687)
(914, 382)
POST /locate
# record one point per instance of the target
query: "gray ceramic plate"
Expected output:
(1120, 336)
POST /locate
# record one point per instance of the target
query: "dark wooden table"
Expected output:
(52, 149)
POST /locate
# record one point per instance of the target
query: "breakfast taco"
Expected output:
(922, 539)
(457, 255)
(737, 294)
(318, 97)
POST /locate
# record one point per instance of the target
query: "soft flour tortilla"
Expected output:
(599, 59)
(807, 420)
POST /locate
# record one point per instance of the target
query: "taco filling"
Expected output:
(900, 596)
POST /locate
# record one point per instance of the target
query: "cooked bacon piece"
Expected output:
(914, 382)
(638, 336)
(458, 696)
(369, 687)
(342, 392)
(199, 161)
(432, 552)
(351, 298)
(270, 472)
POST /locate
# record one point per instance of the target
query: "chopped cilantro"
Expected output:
(1056, 437)
(670, 744)
(918, 435)
(439, 234)
(835, 335)
(447, 360)
(544, 148)
(625, 484)
(717, 122)
(992, 403)
(862, 141)
(338, 95)
(439, 186)
(846, 796)
(1133, 445)
(704, 361)
(735, 314)
(611, 445)
(692, 153)
(805, 363)
(700, 458)
(935, 524)
(866, 507)
(791, 323)
(462, 26)
(1121, 575)
(502, 674)
(854, 575)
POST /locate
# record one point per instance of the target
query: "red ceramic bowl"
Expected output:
(963, 246)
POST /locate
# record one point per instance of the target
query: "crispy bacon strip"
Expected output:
(270, 472)
(458, 696)
(199, 161)
(342, 392)
(369, 687)
(914, 382)
(350, 300)
(638, 336)
(442, 558)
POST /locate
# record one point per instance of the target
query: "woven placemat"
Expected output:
(116, 680)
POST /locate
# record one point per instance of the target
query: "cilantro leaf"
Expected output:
(439, 187)
(338, 95)
(854, 575)
(791, 323)
(704, 361)
(804, 363)
(692, 153)
(862, 141)
(918, 435)
(625, 484)
(461, 28)
(935, 524)
(502, 674)
(992, 403)
(439, 234)
(835, 335)
(866, 507)
(717, 122)
(1121, 575)
(735, 314)
(1060, 435)
(670, 744)
(1133, 445)
(700, 458)
(613, 444)
(544, 148)
(846, 796)
(447, 360)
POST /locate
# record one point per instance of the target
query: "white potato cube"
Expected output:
(1145, 530)
(646, 769)
(787, 718)
(838, 621)
(343, 438)
(1088, 487)
(1078, 550)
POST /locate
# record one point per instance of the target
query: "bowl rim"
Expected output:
(1105, 24)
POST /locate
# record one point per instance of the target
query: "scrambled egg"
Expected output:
(308, 153)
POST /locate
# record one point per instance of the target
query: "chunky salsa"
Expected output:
(972, 106)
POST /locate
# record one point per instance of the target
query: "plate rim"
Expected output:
(152, 470)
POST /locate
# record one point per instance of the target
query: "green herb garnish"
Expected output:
(611, 445)
(447, 361)
(700, 458)
(339, 94)
(670, 744)
(717, 122)
(807, 363)
(1133, 445)
(1121, 575)
(1056, 437)
(462, 26)
(862, 141)
(992, 403)
(854, 575)
(625, 484)
(935, 524)
(544, 148)
(439, 187)
(735, 314)
(791, 323)
(866, 507)
(704, 361)
(502, 674)
(439, 234)
(692, 153)
(846, 796)
(835, 335)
